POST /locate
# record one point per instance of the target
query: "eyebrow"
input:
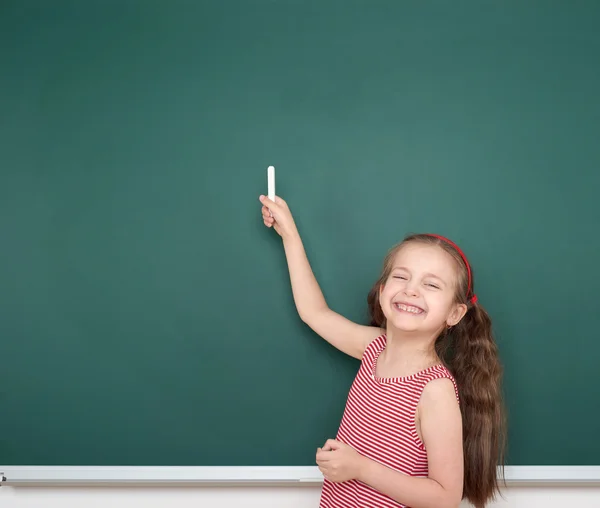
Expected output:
(426, 275)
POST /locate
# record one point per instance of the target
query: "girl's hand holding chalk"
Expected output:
(275, 211)
(276, 214)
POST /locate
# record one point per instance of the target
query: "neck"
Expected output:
(410, 348)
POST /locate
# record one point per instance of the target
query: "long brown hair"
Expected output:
(469, 351)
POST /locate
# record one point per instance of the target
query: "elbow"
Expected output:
(446, 502)
(447, 498)
(310, 316)
(304, 316)
(451, 500)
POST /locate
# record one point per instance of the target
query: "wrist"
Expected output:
(291, 237)
(363, 468)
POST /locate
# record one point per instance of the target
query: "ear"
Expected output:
(381, 289)
(458, 312)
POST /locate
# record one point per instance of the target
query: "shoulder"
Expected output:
(439, 390)
(439, 404)
(375, 345)
(440, 382)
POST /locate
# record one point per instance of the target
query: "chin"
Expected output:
(403, 326)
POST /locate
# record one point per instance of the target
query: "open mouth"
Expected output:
(410, 309)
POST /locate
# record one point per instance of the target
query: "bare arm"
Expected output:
(345, 335)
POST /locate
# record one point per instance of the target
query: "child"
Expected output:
(423, 424)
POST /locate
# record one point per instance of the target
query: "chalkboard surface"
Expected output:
(146, 312)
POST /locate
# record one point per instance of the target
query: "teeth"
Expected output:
(408, 308)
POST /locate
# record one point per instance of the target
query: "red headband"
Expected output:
(473, 298)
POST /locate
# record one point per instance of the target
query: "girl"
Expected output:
(424, 423)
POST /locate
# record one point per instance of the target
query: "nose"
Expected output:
(410, 289)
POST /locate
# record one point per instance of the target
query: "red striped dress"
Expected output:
(379, 422)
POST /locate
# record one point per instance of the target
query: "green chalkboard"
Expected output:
(146, 313)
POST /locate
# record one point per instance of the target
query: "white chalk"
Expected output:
(271, 182)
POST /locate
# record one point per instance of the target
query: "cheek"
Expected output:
(439, 303)
(384, 299)
(387, 292)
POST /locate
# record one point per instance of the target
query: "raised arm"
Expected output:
(345, 335)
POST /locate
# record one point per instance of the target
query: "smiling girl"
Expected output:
(423, 424)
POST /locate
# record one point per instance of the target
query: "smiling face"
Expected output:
(419, 294)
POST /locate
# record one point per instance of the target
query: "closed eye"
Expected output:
(399, 277)
(432, 286)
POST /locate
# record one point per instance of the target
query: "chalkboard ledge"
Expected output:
(246, 475)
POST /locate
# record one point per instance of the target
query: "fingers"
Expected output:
(272, 205)
(268, 219)
(325, 454)
(266, 212)
(323, 471)
(274, 211)
(331, 444)
(323, 464)
(278, 205)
